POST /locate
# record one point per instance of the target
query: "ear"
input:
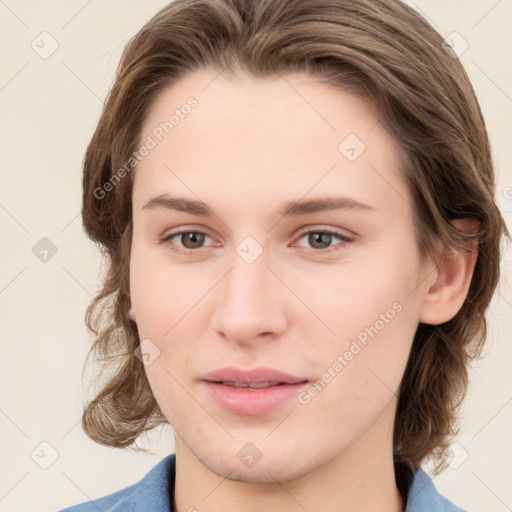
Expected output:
(446, 289)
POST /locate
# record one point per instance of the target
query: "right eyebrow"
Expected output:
(179, 204)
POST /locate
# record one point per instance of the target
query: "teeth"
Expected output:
(254, 385)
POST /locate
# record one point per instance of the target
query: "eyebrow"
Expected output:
(288, 209)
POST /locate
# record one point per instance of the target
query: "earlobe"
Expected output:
(446, 291)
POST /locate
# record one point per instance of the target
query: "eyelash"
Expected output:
(343, 238)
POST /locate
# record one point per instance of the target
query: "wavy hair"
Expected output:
(380, 50)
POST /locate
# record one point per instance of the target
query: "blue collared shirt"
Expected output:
(153, 493)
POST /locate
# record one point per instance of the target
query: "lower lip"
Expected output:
(252, 402)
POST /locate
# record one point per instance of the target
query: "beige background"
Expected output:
(49, 108)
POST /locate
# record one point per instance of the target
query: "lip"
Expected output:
(248, 401)
(256, 375)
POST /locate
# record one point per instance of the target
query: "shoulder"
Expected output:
(423, 496)
(152, 492)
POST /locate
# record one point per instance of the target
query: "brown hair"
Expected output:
(381, 50)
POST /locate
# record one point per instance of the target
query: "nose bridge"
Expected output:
(249, 300)
(248, 281)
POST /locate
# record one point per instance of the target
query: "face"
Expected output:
(253, 277)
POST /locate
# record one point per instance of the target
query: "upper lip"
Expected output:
(254, 376)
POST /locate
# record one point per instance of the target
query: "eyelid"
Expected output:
(302, 231)
(327, 229)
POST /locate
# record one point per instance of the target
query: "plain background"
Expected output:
(49, 109)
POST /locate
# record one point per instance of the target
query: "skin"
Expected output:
(249, 146)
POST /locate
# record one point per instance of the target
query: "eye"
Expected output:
(321, 239)
(190, 240)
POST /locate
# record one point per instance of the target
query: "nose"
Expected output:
(251, 302)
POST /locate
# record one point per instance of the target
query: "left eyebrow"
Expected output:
(288, 209)
(324, 204)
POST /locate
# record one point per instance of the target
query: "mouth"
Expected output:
(252, 393)
(261, 376)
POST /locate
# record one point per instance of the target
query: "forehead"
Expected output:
(280, 138)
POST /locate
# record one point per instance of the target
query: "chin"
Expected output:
(266, 471)
(254, 475)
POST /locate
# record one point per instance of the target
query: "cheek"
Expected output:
(373, 317)
(359, 371)
(163, 297)
(161, 293)
(372, 292)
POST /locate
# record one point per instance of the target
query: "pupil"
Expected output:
(196, 239)
(324, 238)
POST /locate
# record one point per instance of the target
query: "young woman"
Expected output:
(296, 199)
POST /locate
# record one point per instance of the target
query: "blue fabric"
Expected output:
(423, 496)
(152, 494)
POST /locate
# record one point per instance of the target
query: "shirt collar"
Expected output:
(157, 487)
(424, 497)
